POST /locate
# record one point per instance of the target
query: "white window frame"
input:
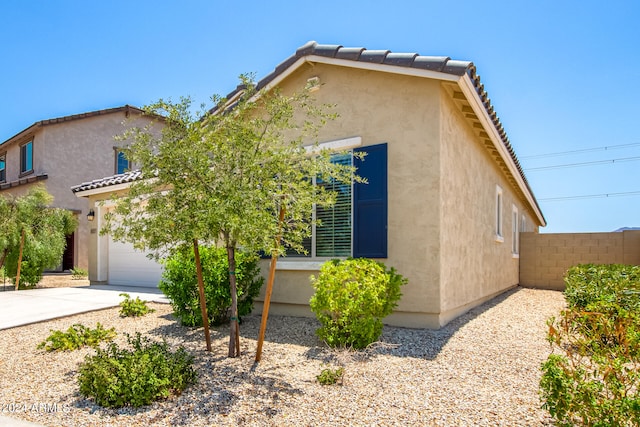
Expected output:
(312, 261)
(499, 202)
(515, 232)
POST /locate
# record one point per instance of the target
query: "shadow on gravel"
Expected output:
(395, 341)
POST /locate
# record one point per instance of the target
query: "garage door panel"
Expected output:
(128, 266)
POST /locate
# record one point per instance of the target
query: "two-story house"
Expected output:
(61, 152)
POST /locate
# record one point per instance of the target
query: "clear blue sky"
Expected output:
(562, 75)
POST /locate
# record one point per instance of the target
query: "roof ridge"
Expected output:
(77, 116)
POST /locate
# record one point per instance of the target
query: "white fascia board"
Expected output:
(466, 85)
(394, 69)
(103, 190)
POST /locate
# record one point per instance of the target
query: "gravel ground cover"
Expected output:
(480, 370)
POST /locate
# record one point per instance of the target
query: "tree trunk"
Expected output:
(267, 296)
(19, 260)
(203, 301)
(4, 256)
(234, 332)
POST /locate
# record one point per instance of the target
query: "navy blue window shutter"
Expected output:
(370, 204)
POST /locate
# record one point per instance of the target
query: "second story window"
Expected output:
(122, 164)
(26, 157)
(3, 167)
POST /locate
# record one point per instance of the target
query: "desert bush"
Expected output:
(75, 337)
(179, 283)
(30, 274)
(330, 376)
(78, 273)
(133, 307)
(351, 298)
(116, 377)
(592, 378)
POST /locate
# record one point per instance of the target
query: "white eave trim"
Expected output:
(394, 69)
(469, 91)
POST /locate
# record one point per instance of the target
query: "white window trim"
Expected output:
(498, 203)
(336, 145)
(515, 232)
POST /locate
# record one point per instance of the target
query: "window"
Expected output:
(333, 235)
(122, 164)
(499, 235)
(3, 167)
(523, 224)
(515, 231)
(26, 157)
(357, 224)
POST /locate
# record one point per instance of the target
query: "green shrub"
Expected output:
(30, 274)
(593, 283)
(133, 307)
(77, 336)
(594, 378)
(116, 377)
(179, 283)
(351, 299)
(330, 376)
(78, 273)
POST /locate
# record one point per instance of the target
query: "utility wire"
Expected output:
(584, 150)
(575, 165)
(591, 196)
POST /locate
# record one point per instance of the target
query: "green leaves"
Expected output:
(133, 307)
(45, 232)
(595, 379)
(179, 283)
(226, 172)
(351, 298)
(77, 336)
(149, 371)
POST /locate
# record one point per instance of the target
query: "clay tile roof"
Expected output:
(125, 108)
(108, 181)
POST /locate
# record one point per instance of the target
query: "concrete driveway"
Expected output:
(19, 308)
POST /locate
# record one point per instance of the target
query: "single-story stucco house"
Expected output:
(446, 198)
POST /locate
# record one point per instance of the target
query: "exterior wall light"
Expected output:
(91, 215)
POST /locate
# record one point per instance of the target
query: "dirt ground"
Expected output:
(61, 280)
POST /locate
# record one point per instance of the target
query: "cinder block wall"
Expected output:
(544, 258)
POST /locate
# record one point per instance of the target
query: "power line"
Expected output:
(584, 150)
(575, 165)
(591, 196)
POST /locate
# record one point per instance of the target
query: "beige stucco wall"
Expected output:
(475, 266)
(545, 258)
(404, 113)
(71, 152)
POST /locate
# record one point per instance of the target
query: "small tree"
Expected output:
(224, 176)
(32, 235)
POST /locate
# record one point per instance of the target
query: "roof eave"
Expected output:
(101, 190)
(467, 87)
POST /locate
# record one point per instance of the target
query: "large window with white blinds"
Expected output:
(357, 224)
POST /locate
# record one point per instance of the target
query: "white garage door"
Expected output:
(130, 267)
